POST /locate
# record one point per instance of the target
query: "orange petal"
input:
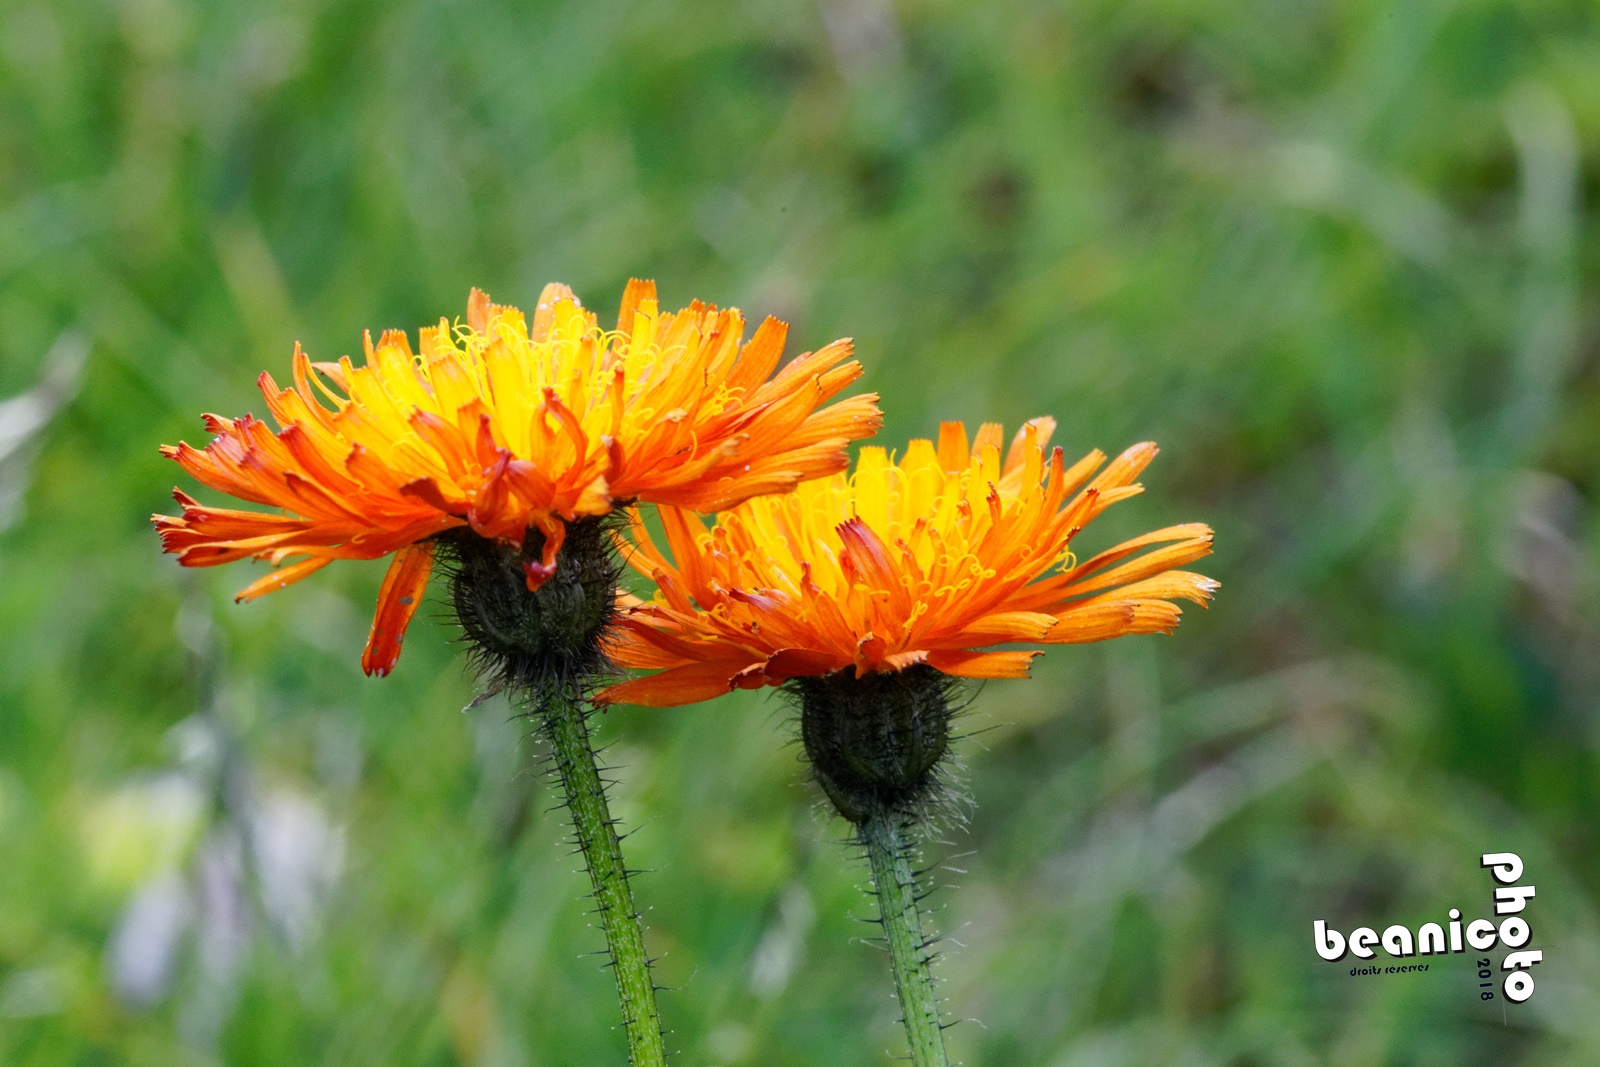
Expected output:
(1017, 454)
(870, 652)
(760, 356)
(681, 685)
(868, 551)
(1099, 621)
(1143, 567)
(544, 313)
(789, 663)
(1126, 467)
(635, 294)
(402, 590)
(1005, 626)
(281, 577)
(981, 664)
(426, 491)
(990, 435)
(478, 311)
(626, 648)
(1190, 531)
(1169, 585)
(953, 454)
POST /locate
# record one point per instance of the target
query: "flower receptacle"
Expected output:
(876, 742)
(548, 637)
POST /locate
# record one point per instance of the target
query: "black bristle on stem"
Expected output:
(545, 647)
(879, 746)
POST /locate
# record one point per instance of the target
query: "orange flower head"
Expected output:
(505, 427)
(927, 561)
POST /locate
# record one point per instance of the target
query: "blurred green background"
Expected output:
(1340, 260)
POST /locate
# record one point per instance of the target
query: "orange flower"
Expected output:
(501, 425)
(930, 560)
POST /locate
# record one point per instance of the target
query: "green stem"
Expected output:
(883, 835)
(564, 716)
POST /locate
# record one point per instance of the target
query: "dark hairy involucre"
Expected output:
(549, 639)
(879, 744)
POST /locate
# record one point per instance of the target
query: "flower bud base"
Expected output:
(876, 742)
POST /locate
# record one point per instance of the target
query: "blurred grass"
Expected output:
(1339, 259)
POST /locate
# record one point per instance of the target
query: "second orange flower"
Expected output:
(925, 562)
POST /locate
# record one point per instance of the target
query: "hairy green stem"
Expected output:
(883, 835)
(564, 716)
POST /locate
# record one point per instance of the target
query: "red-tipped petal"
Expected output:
(555, 535)
(403, 586)
(789, 663)
(680, 685)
